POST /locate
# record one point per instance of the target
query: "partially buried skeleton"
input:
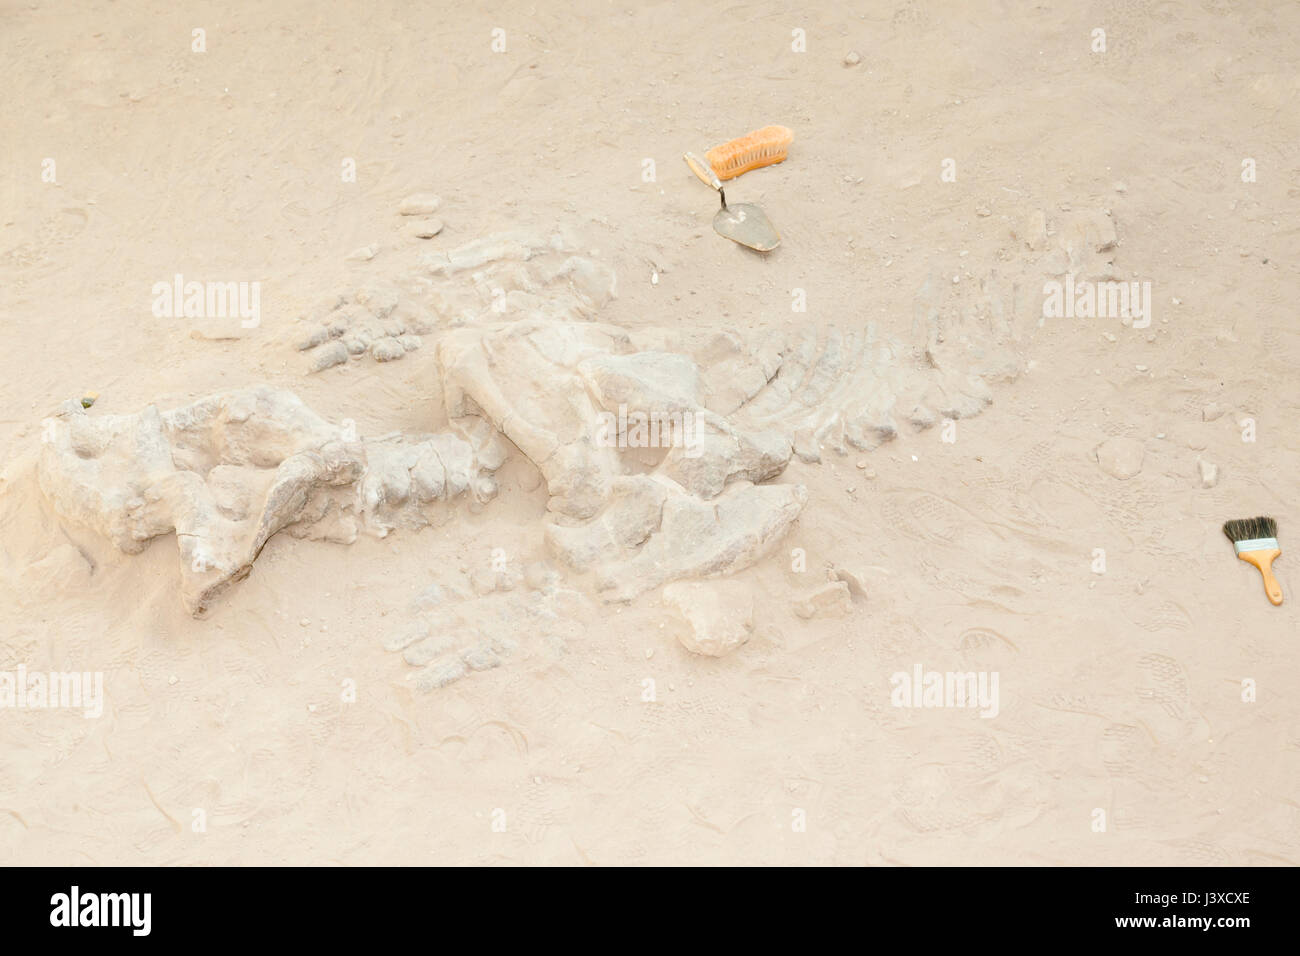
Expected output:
(514, 323)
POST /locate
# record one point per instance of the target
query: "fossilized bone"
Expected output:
(229, 471)
(520, 356)
(544, 383)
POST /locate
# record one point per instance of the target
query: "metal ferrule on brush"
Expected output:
(1256, 544)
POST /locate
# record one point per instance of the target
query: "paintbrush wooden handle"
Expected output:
(1264, 561)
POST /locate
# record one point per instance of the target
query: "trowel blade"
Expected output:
(748, 225)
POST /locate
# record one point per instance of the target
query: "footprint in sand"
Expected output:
(931, 800)
(1124, 750)
(924, 517)
(1164, 683)
(1166, 615)
(985, 647)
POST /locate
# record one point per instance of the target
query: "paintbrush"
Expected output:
(1256, 542)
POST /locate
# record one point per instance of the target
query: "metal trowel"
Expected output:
(740, 222)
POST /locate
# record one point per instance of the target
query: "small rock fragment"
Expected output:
(1120, 457)
(363, 254)
(425, 228)
(857, 587)
(719, 617)
(830, 600)
(420, 204)
(852, 58)
(1209, 473)
(1034, 231)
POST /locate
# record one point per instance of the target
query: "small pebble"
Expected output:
(420, 204)
(425, 228)
(851, 58)
(1120, 457)
(1209, 473)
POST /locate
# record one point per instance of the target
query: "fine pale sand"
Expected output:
(1126, 731)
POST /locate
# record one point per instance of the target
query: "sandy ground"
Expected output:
(1120, 692)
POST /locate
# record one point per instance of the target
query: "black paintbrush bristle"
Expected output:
(1248, 529)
